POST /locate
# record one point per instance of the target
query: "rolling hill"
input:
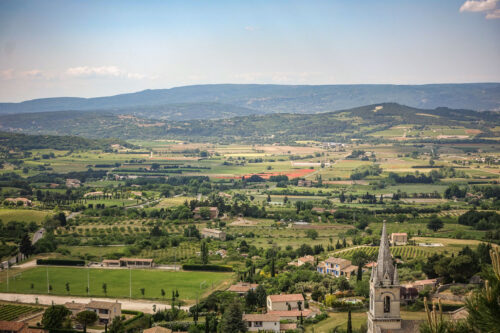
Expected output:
(358, 122)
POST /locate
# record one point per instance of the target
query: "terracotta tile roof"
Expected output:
(399, 234)
(338, 261)
(12, 325)
(74, 306)
(286, 298)
(350, 268)
(157, 329)
(291, 313)
(242, 287)
(260, 317)
(101, 305)
(306, 259)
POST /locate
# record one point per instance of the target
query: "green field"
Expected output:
(189, 284)
(12, 312)
(22, 215)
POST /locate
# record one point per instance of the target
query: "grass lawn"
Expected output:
(117, 280)
(339, 319)
(22, 215)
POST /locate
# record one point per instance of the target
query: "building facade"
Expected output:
(337, 267)
(384, 311)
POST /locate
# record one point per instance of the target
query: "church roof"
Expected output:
(385, 272)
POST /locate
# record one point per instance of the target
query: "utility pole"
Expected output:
(48, 285)
(130, 283)
(8, 266)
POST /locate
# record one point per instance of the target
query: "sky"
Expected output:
(105, 47)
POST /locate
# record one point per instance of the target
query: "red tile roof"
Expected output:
(12, 325)
(260, 317)
(291, 313)
(286, 298)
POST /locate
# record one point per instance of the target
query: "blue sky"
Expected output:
(96, 48)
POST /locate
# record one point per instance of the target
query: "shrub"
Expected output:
(209, 268)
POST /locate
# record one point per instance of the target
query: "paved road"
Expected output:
(143, 204)
(138, 305)
(38, 235)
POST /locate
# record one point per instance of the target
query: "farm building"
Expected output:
(399, 238)
(214, 212)
(129, 263)
(213, 233)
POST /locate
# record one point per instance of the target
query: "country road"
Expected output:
(138, 305)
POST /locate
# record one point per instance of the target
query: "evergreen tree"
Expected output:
(349, 322)
(26, 247)
(272, 268)
(232, 319)
(204, 253)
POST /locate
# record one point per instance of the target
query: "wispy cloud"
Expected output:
(251, 28)
(103, 71)
(12, 74)
(493, 15)
(478, 5)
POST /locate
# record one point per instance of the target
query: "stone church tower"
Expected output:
(384, 315)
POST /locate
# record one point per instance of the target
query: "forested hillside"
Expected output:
(353, 123)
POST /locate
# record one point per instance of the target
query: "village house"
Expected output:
(73, 183)
(399, 238)
(17, 327)
(302, 261)
(262, 322)
(129, 263)
(292, 315)
(337, 267)
(242, 288)
(285, 302)
(106, 311)
(74, 307)
(25, 202)
(214, 212)
(213, 233)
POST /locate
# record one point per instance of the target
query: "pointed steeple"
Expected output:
(385, 268)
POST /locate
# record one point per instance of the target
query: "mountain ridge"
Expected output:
(270, 98)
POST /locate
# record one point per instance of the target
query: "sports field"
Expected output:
(189, 284)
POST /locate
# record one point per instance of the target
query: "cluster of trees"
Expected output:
(480, 220)
(458, 268)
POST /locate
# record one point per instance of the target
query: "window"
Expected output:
(257, 324)
(387, 304)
